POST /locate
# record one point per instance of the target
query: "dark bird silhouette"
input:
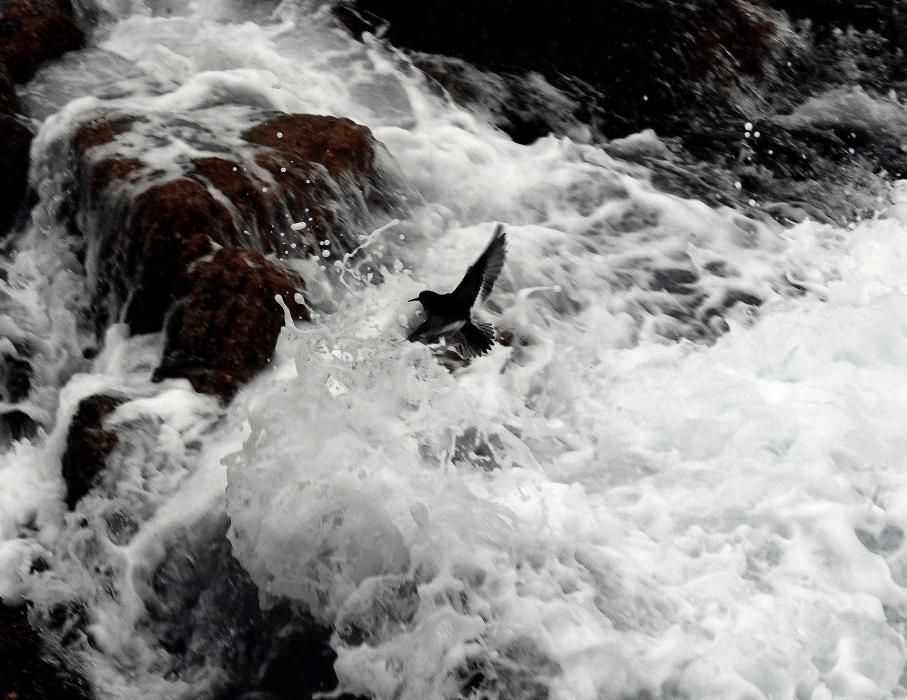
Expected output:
(449, 315)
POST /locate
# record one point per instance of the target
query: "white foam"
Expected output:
(597, 507)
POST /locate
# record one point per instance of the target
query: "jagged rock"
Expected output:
(34, 31)
(224, 330)
(206, 612)
(15, 141)
(321, 161)
(31, 32)
(9, 102)
(87, 445)
(27, 672)
(195, 244)
(16, 425)
(633, 64)
(15, 376)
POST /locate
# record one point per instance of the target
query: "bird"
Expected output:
(449, 316)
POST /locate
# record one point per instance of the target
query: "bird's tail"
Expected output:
(474, 339)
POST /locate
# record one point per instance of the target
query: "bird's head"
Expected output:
(425, 297)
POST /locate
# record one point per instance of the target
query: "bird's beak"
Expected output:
(416, 299)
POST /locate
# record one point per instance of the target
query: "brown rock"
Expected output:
(224, 330)
(326, 159)
(31, 32)
(34, 31)
(340, 145)
(156, 250)
(158, 235)
(100, 132)
(87, 445)
(27, 672)
(256, 205)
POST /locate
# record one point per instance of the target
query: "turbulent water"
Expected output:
(649, 491)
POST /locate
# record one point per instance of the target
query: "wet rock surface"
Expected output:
(207, 246)
(695, 73)
(31, 32)
(634, 64)
(27, 672)
(224, 330)
(15, 141)
(35, 31)
(88, 444)
(207, 613)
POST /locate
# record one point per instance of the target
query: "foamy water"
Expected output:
(648, 490)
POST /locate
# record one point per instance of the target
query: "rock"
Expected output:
(27, 671)
(632, 64)
(15, 142)
(340, 145)
(207, 614)
(161, 241)
(31, 32)
(517, 670)
(35, 31)
(224, 330)
(328, 160)
(15, 376)
(9, 102)
(195, 244)
(87, 445)
(16, 425)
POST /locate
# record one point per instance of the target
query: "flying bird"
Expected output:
(449, 315)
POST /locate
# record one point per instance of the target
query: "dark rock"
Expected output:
(525, 107)
(16, 425)
(87, 445)
(518, 670)
(15, 142)
(224, 330)
(31, 32)
(27, 670)
(35, 31)
(633, 63)
(15, 377)
(205, 611)
(9, 102)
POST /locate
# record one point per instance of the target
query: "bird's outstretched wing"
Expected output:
(483, 273)
(473, 339)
